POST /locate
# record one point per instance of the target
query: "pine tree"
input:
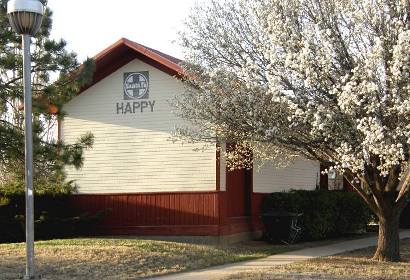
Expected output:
(56, 77)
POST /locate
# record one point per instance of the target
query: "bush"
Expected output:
(16, 186)
(325, 213)
(55, 217)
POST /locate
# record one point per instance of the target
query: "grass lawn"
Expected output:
(94, 258)
(354, 265)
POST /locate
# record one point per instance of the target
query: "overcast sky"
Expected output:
(89, 26)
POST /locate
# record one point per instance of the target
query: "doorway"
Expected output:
(239, 191)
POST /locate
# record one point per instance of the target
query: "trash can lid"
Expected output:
(281, 213)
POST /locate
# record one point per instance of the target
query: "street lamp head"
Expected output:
(25, 16)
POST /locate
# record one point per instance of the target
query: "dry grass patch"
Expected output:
(355, 265)
(122, 259)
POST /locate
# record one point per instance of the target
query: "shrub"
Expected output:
(325, 213)
(16, 186)
(55, 216)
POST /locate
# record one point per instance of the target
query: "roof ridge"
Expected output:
(168, 57)
(173, 58)
(123, 51)
(126, 41)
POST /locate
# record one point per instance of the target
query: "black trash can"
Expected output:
(405, 217)
(282, 226)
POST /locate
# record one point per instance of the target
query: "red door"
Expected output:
(238, 190)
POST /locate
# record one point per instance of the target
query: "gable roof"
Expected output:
(124, 51)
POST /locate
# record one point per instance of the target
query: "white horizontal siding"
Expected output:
(302, 174)
(133, 152)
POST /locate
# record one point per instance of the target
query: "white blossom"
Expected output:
(327, 80)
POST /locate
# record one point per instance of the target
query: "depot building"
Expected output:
(154, 186)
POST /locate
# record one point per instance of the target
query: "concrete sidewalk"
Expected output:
(218, 272)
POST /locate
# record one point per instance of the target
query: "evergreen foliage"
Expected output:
(56, 77)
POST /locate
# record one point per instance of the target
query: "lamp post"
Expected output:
(25, 18)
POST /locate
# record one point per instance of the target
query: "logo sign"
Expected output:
(136, 85)
(136, 94)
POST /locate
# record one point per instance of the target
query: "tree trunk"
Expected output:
(388, 245)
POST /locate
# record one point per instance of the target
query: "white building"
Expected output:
(152, 185)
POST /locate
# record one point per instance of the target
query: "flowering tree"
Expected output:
(328, 80)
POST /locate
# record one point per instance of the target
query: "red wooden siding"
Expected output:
(193, 213)
(232, 225)
(150, 213)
